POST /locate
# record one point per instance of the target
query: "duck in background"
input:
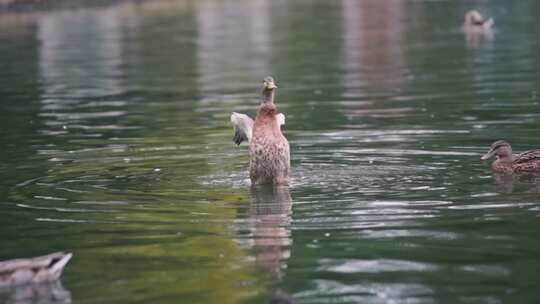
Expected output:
(477, 29)
(269, 156)
(506, 162)
(35, 270)
(475, 22)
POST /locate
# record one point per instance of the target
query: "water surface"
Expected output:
(116, 145)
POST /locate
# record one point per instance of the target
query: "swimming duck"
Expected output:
(269, 157)
(475, 21)
(506, 162)
(39, 269)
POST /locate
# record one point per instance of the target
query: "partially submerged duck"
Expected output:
(40, 269)
(506, 162)
(269, 157)
(475, 21)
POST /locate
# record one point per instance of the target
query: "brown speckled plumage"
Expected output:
(269, 159)
(527, 161)
(506, 162)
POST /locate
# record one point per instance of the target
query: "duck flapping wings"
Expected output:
(243, 126)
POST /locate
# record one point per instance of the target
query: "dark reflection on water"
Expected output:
(116, 146)
(53, 293)
(525, 182)
(271, 214)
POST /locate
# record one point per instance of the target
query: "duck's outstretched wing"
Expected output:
(280, 119)
(243, 127)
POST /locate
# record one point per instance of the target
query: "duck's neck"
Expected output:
(266, 117)
(267, 96)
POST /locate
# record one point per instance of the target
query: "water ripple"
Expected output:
(372, 266)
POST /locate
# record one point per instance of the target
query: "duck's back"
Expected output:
(527, 161)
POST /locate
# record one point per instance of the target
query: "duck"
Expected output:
(506, 162)
(269, 151)
(46, 268)
(475, 22)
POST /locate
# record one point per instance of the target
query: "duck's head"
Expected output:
(268, 90)
(268, 84)
(500, 149)
(473, 18)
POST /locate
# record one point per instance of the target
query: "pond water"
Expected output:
(117, 146)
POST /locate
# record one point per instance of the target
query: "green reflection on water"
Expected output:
(114, 121)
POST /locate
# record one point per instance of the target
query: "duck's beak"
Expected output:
(270, 86)
(488, 155)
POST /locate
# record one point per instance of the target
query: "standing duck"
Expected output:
(506, 162)
(269, 158)
(475, 22)
(40, 269)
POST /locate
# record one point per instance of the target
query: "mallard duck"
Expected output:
(506, 162)
(40, 269)
(269, 159)
(475, 21)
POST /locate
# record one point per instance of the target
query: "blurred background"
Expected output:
(116, 145)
